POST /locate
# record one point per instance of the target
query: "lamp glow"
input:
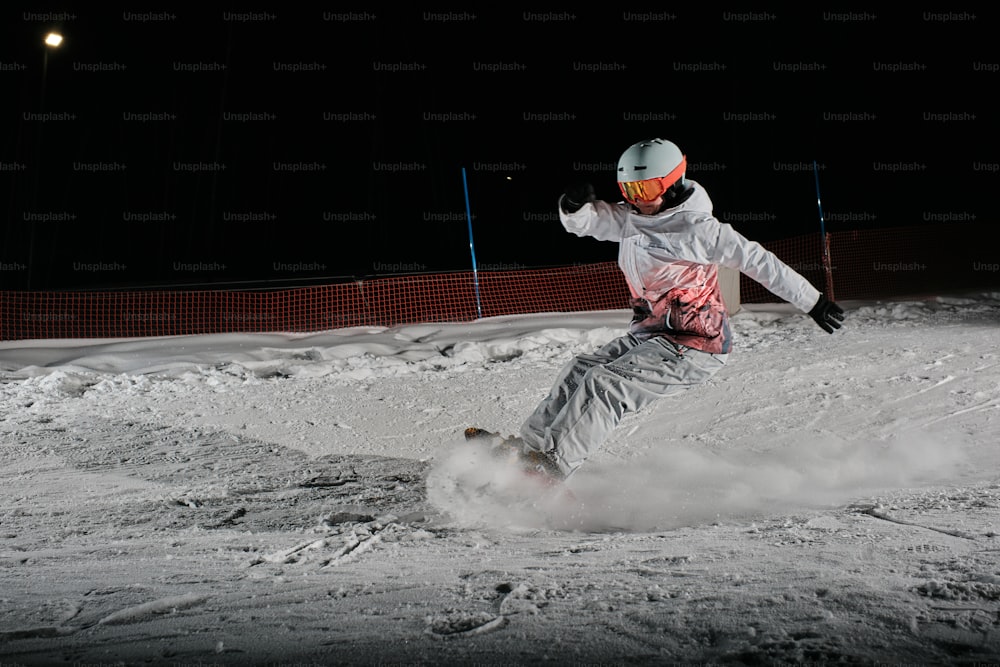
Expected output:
(53, 39)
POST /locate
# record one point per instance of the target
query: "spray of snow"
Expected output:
(681, 486)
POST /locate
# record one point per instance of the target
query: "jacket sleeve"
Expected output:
(734, 250)
(599, 219)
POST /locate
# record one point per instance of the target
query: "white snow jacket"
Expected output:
(670, 261)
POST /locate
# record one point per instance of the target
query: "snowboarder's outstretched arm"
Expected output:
(581, 213)
(752, 259)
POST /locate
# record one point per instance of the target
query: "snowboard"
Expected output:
(510, 452)
(485, 481)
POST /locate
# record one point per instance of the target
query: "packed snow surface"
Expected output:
(306, 498)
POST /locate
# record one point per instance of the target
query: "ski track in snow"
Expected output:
(245, 499)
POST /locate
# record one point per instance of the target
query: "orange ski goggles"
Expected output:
(651, 188)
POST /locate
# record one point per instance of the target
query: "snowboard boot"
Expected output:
(540, 466)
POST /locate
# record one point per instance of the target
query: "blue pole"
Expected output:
(472, 246)
(822, 225)
(824, 247)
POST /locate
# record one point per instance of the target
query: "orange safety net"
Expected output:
(380, 302)
(852, 265)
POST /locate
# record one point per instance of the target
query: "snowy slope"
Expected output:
(245, 499)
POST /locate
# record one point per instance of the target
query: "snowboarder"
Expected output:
(670, 248)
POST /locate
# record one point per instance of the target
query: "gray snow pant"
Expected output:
(594, 391)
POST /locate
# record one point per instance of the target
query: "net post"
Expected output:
(472, 245)
(824, 239)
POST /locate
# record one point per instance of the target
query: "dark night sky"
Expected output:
(259, 146)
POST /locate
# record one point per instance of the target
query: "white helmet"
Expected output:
(650, 168)
(650, 158)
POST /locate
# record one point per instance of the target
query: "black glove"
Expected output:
(827, 314)
(575, 196)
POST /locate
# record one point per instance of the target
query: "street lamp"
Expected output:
(53, 40)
